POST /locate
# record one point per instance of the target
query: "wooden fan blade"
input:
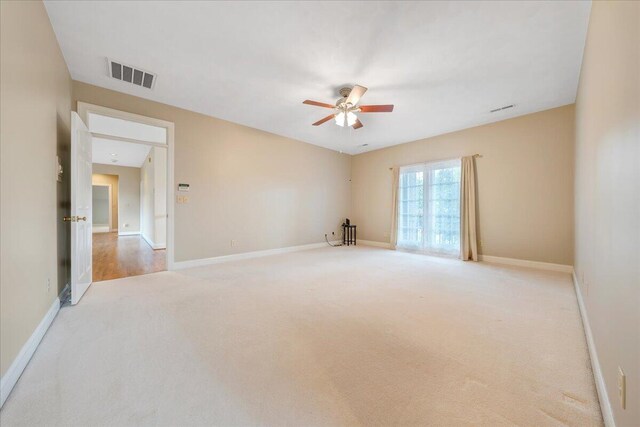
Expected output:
(358, 124)
(376, 108)
(355, 94)
(326, 119)
(318, 104)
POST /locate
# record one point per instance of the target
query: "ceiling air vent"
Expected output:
(506, 107)
(130, 74)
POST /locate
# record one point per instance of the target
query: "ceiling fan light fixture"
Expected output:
(340, 118)
(351, 118)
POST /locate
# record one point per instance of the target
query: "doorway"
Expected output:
(102, 201)
(132, 160)
(129, 209)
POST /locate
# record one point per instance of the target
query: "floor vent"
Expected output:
(133, 75)
(506, 107)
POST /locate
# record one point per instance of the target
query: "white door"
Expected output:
(81, 212)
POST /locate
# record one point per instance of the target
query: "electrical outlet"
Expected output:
(622, 388)
(233, 243)
(48, 285)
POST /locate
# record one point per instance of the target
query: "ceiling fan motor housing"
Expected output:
(341, 103)
(345, 91)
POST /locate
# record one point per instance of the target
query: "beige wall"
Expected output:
(147, 224)
(607, 200)
(35, 100)
(525, 184)
(154, 198)
(261, 190)
(160, 196)
(153, 207)
(128, 195)
(112, 181)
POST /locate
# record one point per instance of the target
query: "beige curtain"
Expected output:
(468, 239)
(394, 207)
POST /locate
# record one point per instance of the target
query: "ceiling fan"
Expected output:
(346, 108)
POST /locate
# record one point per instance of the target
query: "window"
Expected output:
(429, 207)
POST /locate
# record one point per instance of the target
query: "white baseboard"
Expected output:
(100, 229)
(128, 233)
(603, 396)
(385, 245)
(525, 263)
(152, 243)
(146, 239)
(247, 255)
(494, 259)
(10, 378)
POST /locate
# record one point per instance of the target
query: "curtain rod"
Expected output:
(475, 156)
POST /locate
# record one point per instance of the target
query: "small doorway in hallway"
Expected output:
(131, 161)
(129, 209)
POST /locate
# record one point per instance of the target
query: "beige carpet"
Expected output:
(328, 337)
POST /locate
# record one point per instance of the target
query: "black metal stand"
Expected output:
(349, 234)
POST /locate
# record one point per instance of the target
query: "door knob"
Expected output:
(74, 218)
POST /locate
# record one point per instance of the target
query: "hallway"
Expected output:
(116, 256)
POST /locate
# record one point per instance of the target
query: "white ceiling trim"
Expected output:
(105, 125)
(119, 153)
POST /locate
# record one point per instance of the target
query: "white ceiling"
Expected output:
(126, 153)
(113, 126)
(443, 64)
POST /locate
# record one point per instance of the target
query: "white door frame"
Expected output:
(110, 205)
(83, 111)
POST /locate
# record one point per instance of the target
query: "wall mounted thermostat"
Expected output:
(183, 187)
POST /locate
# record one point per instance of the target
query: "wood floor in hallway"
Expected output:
(116, 256)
